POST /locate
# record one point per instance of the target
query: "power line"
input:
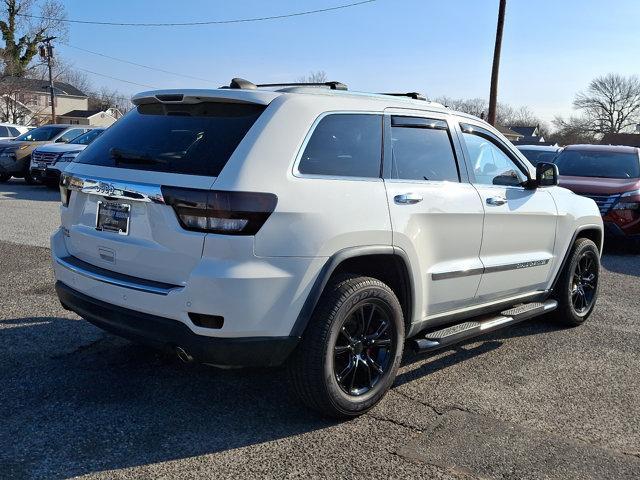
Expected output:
(209, 22)
(139, 64)
(115, 78)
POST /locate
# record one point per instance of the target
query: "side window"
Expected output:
(344, 145)
(491, 166)
(4, 132)
(422, 150)
(70, 135)
(13, 132)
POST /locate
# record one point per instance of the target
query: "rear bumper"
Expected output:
(166, 333)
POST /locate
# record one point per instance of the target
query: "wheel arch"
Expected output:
(594, 233)
(386, 263)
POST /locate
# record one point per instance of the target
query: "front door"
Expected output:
(520, 223)
(436, 215)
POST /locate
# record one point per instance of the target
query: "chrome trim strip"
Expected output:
(117, 189)
(493, 269)
(114, 281)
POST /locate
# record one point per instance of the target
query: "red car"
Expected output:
(610, 175)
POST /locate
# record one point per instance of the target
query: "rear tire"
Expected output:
(351, 350)
(577, 287)
(4, 177)
(29, 179)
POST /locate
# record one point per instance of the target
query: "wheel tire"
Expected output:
(568, 287)
(313, 366)
(29, 179)
(4, 177)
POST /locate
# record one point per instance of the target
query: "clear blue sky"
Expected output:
(551, 48)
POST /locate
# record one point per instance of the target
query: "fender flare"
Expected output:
(330, 266)
(567, 254)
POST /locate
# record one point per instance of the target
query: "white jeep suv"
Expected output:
(317, 227)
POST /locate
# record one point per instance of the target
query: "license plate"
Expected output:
(113, 217)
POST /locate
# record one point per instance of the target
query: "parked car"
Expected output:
(539, 153)
(318, 227)
(10, 130)
(48, 161)
(15, 154)
(610, 175)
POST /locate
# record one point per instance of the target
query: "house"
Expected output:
(27, 101)
(629, 139)
(511, 135)
(98, 118)
(529, 134)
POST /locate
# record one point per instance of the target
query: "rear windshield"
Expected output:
(41, 134)
(537, 156)
(193, 139)
(598, 164)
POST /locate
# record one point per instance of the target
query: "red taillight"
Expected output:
(212, 211)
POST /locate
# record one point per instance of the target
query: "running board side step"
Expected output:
(473, 328)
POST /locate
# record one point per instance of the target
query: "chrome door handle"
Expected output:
(496, 201)
(408, 198)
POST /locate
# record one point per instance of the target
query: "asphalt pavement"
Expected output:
(532, 401)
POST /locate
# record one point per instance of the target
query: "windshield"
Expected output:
(537, 156)
(193, 139)
(40, 134)
(593, 163)
(87, 138)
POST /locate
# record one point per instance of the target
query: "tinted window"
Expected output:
(595, 163)
(345, 145)
(41, 134)
(537, 156)
(14, 132)
(70, 134)
(87, 138)
(4, 132)
(195, 139)
(421, 150)
(491, 166)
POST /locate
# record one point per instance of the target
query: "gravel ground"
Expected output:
(531, 401)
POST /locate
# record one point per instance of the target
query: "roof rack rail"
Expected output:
(414, 95)
(242, 84)
(332, 85)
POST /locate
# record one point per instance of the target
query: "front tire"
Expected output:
(351, 350)
(577, 287)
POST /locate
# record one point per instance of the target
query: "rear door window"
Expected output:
(422, 150)
(191, 139)
(13, 132)
(4, 132)
(70, 134)
(344, 145)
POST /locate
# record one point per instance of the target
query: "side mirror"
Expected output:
(546, 174)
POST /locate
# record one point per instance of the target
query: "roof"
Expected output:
(630, 139)
(507, 131)
(81, 113)
(603, 148)
(35, 85)
(526, 131)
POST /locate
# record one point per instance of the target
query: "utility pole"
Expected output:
(46, 53)
(493, 95)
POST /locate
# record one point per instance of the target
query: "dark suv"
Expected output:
(610, 175)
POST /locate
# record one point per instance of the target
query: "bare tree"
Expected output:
(319, 76)
(571, 131)
(610, 104)
(106, 98)
(21, 34)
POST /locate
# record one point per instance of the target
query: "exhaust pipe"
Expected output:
(183, 355)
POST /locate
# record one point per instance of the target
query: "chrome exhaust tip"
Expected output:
(183, 355)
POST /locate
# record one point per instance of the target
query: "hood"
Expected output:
(599, 185)
(61, 148)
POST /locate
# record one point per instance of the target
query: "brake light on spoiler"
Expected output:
(221, 212)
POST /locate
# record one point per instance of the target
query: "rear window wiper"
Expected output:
(129, 156)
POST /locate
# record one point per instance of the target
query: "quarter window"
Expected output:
(491, 166)
(422, 150)
(344, 145)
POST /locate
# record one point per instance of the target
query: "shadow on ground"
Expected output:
(16, 189)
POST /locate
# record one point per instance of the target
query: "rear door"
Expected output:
(436, 214)
(520, 223)
(117, 218)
